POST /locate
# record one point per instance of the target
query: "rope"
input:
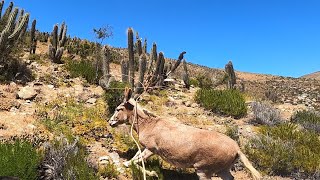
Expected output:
(135, 141)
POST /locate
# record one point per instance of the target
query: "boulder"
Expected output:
(27, 93)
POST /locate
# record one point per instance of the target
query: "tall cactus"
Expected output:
(142, 71)
(124, 71)
(139, 47)
(1, 6)
(33, 40)
(12, 29)
(56, 47)
(185, 75)
(131, 57)
(231, 80)
(144, 48)
(106, 79)
(153, 57)
(175, 66)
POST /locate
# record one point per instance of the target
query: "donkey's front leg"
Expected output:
(136, 159)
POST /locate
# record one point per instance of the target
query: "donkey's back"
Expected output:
(187, 146)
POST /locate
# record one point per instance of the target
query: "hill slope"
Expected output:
(315, 75)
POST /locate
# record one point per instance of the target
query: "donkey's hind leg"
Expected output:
(204, 175)
(225, 175)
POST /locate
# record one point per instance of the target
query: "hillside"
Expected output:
(315, 75)
(59, 93)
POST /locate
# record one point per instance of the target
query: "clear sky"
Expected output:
(280, 37)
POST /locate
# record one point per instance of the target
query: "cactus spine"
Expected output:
(231, 80)
(131, 57)
(142, 71)
(11, 29)
(33, 40)
(56, 47)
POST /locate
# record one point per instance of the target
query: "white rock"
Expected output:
(27, 93)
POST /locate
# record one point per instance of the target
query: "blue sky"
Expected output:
(280, 37)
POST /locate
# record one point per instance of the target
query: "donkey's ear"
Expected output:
(127, 94)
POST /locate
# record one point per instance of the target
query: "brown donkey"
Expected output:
(183, 146)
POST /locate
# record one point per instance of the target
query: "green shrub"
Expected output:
(233, 132)
(152, 164)
(114, 96)
(204, 81)
(19, 159)
(285, 150)
(83, 68)
(308, 119)
(194, 82)
(108, 171)
(226, 102)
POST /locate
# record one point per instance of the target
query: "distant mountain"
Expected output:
(315, 75)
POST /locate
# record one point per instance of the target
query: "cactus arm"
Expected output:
(7, 12)
(55, 36)
(21, 28)
(1, 6)
(64, 36)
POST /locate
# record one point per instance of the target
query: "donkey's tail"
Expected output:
(256, 175)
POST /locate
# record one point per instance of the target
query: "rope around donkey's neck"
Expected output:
(135, 118)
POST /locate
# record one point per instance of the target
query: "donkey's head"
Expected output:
(124, 111)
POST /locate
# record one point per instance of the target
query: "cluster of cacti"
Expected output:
(12, 28)
(33, 40)
(58, 41)
(83, 48)
(231, 76)
(157, 69)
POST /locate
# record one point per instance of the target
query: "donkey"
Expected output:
(183, 146)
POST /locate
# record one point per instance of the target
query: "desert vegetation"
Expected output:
(58, 92)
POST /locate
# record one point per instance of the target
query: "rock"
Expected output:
(194, 105)
(50, 86)
(187, 103)
(27, 93)
(91, 101)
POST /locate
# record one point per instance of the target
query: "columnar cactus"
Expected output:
(139, 47)
(56, 47)
(124, 71)
(231, 80)
(7, 12)
(142, 71)
(185, 75)
(33, 40)
(106, 79)
(177, 63)
(144, 49)
(1, 6)
(153, 57)
(11, 29)
(131, 57)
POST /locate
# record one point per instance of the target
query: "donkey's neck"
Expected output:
(142, 119)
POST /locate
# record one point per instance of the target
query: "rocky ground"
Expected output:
(19, 105)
